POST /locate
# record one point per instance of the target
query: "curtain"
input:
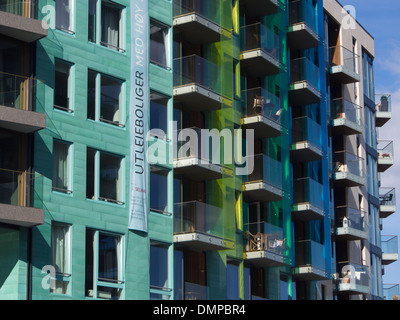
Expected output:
(60, 169)
(63, 14)
(108, 257)
(59, 247)
(110, 20)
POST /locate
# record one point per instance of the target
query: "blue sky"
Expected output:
(381, 18)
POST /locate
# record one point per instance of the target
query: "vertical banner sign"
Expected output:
(138, 116)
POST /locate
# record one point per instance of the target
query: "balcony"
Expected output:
(350, 224)
(259, 50)
(199, 226)
(265, 246)
(346, 117)
(302, 27)
(387, 202)
(261, 113)
(194, 161)
(391, 291)
(390, 250)
(19, 103)
(344, 65)
(259, 8)
(20, 198)
(385, 155)
(383, 113)
(310, 261)
(197, 85)
(308, 203)
(353, 278)
(306, 140)
(197, 20)
(265, 182)
(18, 20)
(348, 170)
(304, 82)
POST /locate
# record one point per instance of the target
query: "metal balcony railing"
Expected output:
(385, 149)
(266, 170)
(306, 129)
(263, 236)
(344, 109)
(387, 196)
(307, 190)
(383, 102)
(348, 163)
(340, 56)
(208, 9)
(389, 244)
(302, 11)
(310, 253)
(347, 217)
(303, 69)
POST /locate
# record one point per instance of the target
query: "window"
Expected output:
(158, 189)
(368, 76)
(158, 112)
(103, 265)
(64, 15)
(159, 48)
(104, 177)
(104, 99)
(159, 271)
(62, 86)
(61, 167)
(232, 280)
(60, 254)
(106, 16)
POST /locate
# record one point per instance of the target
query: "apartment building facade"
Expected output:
(295, 76)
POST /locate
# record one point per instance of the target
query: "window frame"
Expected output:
(71, 29)
(98, 103)
(69, 188)
(167, 46)
(65, 276)
(70, 90)
(97, 179)
(98, 26)
(97, 282)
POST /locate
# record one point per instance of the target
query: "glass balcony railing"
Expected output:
(266, 170)
(307, 190)
(258, 101)
(21, 189)
(310, 253)
(348, 163)
(24, 8)
(263, 236)
(195, 291)
(303, 69)
(258, 36)
(193, 69)
(353, 276)
(389, 244)
(340, 56)
(198, 146)
(344, 109)
(385, 150)
(208, 9)
(348, 217)
(20, 92)
(302, 11)
(391, 291)
(387, 196)
(198, 217)
(383, 102)
(306, 129)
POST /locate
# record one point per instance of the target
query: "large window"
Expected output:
(232, 280)
(104, 275)
(65, 15)
(159, 48)
(368, 76)
(158, 189)
(61, 166)
(104, 177)
(158, 112)
(105, 24)
(60, 253)
(62, 86)
(160, 287)
(105, 99)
